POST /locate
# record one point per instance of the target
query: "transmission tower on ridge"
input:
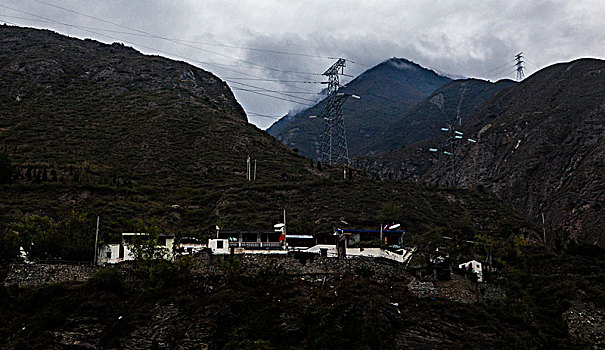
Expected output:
(519, 65)
(334, 147)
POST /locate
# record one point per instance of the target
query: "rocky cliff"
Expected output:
(541, 148)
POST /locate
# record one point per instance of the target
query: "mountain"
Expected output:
(110, 112)
(144, 142)
(541, 148)
(388, 91)
(104, 130)
(456, 98)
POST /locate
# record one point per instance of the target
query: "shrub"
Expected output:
(106, 280)
(6, 169)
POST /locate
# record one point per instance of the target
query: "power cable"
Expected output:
(501, 71)
(145, 35)
(268, 90)
(167, 53)
(495, 68)
(272, 96)
(170, 40)
(264, 115)
(190, 41)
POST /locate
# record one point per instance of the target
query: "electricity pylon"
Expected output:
(334, 147)
(519, 65)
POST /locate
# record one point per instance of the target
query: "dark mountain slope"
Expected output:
(387, 92)
(103, 130)
(106, 110)
(459, 97)
(541, 148)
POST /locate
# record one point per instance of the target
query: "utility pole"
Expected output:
(334, 147)
(519, 65)
(248, 168)
(543, 229)
(285, 239)
(94, 260)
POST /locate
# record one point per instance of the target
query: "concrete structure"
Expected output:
(219, 246)
(388, 237)
(475, 267)
(189, 246)
(112, 253)
(402, 255)
(224, 246)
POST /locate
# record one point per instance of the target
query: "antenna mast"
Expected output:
(334, 147)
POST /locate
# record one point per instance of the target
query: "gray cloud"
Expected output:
(467, 38)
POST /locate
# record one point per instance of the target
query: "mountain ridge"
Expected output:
(395, 85)
(146, 138)
(540, 148)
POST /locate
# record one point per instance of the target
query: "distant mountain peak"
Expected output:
(402, 63)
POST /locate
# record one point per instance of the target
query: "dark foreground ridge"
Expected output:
(306, 302)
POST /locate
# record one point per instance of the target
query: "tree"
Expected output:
(41, 237)
(37, 237)
(145, 248)
(9, 245)
(6, 169)
(76, 234)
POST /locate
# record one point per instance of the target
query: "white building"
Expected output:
(112, 253)
(475, 267)
(223, 246)
(189, 246)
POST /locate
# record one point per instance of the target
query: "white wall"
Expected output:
(213, 245)
(114, 248)
(475, 267)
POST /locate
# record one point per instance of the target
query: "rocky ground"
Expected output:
(459, 289)
(296, 303)
(587, 323)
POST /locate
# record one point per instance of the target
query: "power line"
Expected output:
(264, 115)
(278, 80)
(272, 96)
(495, 68)
(288, 92)
(240, 89)
(509, 69)
(143, 33)
(204, 62)
(268, 90)
(171, 40)
(188, 41)
(154, 49)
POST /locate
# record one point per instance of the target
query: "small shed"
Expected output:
(475, 267)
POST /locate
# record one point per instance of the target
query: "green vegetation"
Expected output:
(6, 169)
(273, 310)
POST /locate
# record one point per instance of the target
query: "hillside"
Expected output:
(458, 97)
(108, 112)
(153, 145)
(388, 91)
(541, 148)
(104, 130)
(550, 302)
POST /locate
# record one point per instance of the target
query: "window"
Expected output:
(219, 245)
(108, 254)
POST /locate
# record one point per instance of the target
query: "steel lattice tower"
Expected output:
(519, 65)
(334, 147)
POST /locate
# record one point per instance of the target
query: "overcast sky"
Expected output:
(475, 38)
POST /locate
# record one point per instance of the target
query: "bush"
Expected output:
(6, 169)
(106, 280)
